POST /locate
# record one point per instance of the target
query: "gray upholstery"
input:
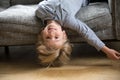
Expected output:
(98, 17)
(4, 3)
(19, 14)
(110, 5)
(15, 2)
(19, 25)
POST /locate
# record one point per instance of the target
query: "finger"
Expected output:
(118, 53)
(115, 56)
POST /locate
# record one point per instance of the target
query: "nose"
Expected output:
(51, 33)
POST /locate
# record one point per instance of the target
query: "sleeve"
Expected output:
(46, 10)
(84, 31)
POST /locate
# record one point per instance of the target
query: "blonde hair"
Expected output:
(53, 57)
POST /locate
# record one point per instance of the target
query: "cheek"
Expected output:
(44, 33)
(59, 32)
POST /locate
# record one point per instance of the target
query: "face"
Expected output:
(53, 36)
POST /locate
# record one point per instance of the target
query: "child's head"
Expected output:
(53, 46)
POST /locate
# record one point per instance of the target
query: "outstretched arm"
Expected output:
(111, 53)
(90, 37)
(83, 30)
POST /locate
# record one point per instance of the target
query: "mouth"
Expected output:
(52, 28)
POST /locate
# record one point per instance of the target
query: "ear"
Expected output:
(64, 35)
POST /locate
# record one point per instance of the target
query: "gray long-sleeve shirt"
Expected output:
(64, 11)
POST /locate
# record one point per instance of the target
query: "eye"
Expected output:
(48, 37)
(56, 37)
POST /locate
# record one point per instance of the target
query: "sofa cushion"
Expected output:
(19, 25)
(97, 16)
(4, 3)
(19, 15)
(1, 9)
(98, 12)
(92, 11)
(14, 2)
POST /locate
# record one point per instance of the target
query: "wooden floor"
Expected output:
(77, 69)
(22, 65)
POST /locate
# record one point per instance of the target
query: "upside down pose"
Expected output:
(53, 46)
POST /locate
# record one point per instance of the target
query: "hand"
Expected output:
(111, 53)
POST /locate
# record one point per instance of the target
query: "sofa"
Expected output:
(20, 26)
